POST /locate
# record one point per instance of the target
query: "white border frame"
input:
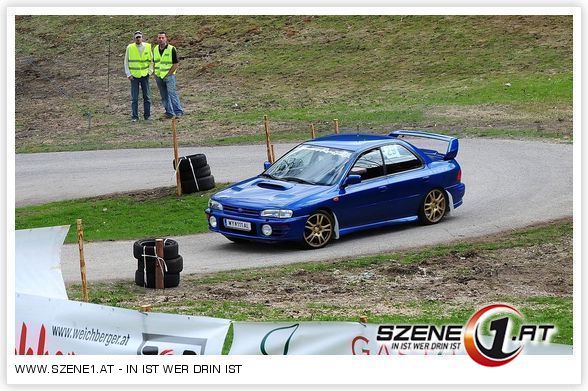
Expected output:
(317, 369)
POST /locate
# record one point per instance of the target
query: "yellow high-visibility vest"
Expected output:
(139, 63)
(162, 63)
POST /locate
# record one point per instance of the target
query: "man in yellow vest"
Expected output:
(165, 60)
(138, 67)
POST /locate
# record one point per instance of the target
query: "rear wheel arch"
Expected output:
(427, 219)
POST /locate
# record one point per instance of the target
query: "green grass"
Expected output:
(367, 71)
(122, 217)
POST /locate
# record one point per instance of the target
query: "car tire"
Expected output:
(170, 280)
(147, 247)
(204, 183)
(198, 160)
(433, 207)
(319, 230)
(198, 173)
(174, 265)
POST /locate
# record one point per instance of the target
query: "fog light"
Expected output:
(212, 221)
(266, 229)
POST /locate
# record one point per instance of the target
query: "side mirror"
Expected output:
(351, 180)
(266, 165)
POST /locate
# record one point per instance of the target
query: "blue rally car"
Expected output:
(335, 185)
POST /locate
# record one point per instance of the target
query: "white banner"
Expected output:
(54, 326)
(293, 338)
(38, 261)
(348, 338)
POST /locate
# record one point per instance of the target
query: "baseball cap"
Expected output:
(138, 34)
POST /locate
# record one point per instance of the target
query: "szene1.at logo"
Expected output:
(500, 319)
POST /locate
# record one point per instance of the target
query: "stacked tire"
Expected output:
(145, 254)
(195, 173)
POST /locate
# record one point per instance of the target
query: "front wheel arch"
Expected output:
(323, 221)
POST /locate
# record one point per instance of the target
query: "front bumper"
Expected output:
(291, 229)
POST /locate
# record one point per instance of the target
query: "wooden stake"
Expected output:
(146, 308)
(267, 139)
(363, 319)
(159, 264)
(273, 155)
(312, 131)
(336, 125)
(82, 259)
(175, 137)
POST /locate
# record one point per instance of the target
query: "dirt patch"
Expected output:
(140, 195)
(489, 117)
(469, 278)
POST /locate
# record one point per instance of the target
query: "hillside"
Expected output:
(466, 75)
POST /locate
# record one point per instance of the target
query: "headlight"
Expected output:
(278, 213)
(212, 204)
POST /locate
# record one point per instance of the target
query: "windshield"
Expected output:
(310, 164)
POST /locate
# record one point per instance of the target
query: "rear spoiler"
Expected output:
(452, 142)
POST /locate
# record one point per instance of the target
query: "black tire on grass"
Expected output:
(147, 247)
(204, 183)
(198, 160)
(170, 280)
(199, 172)
(174, 265)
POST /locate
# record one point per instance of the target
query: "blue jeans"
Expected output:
(169, 95)
(144, 83)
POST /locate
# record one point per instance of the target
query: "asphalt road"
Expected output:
(47, 177)
(509, 184)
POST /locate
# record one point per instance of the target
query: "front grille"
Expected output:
(241, 211)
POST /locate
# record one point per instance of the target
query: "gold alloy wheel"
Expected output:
(435, 205)
(318, 230)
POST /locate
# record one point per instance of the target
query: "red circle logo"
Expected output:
(493, 356)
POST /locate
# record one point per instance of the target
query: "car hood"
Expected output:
(264, 193)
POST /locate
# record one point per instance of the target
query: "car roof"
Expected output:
(351, 141)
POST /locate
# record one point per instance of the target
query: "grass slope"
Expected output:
(466, 75)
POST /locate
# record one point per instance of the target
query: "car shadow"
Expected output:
(289, 247)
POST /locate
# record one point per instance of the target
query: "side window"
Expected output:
(369, 165)
(398, 159)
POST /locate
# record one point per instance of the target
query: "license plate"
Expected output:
(236, 224)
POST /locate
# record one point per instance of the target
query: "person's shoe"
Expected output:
(148, 119)
(134, 119)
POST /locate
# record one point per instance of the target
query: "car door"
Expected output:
(364, 203)
(407, 178)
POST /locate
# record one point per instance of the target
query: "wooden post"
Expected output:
(146, 308)
(175, 137)
(273, 155)
(82, 259)
(363, 319)
(267, 139)
(336, 121)
(159, 264)
(312, 131)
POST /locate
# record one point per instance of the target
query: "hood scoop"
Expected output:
(272, 186)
